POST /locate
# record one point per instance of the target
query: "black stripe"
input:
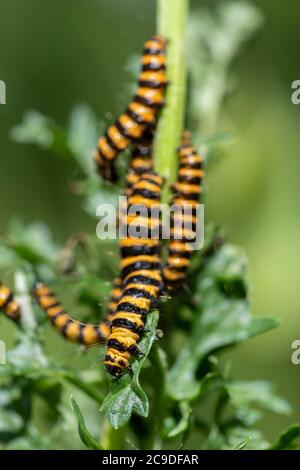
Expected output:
(177, 269)
(153, 66)
(129, 325)
(81, 336)
(52, 319)
(124, 131)
(149, 179)
(137, 118)
(112, 144)
(136, 250)
(99, 334)
(194, 197)
(147, 193)
(142, 151)
(153, 51)
(194, 166)
(65, 327)
(139, 279)
(115, 344)
(131, 308)
(55, 304)
(8, 299)
(186, 178)
(148, 102)
(141, 169)
(179, 254)
(138, 293)
(152, 84)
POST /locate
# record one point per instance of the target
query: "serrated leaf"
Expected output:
(222, 319)
(126, 395)
(287, 438)
(257, 392)
(85, 435)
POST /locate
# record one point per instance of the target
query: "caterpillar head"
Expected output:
(115, 363)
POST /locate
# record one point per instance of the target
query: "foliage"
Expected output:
(181, 393)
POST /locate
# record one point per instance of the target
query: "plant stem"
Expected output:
(23, 297)
(171, 22)
(113, 439)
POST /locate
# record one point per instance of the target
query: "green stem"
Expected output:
(171, 23)
(113, 439)
(28, 320)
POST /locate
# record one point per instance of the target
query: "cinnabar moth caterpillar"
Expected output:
(187, 191)
(141, 274)
(8, 304)
(141, 161)
(70, 328)
(141, 112)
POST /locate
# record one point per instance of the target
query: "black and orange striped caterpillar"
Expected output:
(141, 112)
(187, 191)
(8, 304)
(71, 329)
(141, 275)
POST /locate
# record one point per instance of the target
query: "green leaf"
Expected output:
(243, 444)
(183, 424)
(84, 433)
(33, 242)
(10, 421)
(257, 392)
(82, 137)
(287, 438)
(221, 319)
(35, 129)
(31, 440)
(126, 395)
(42, 131)
(238, 438)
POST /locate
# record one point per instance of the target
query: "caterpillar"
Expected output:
(72, 329)
(141, 161)
(141, 112)
(8, 304)
(141, 275)
(187, 190)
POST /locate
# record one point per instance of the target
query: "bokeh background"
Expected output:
(56, 54)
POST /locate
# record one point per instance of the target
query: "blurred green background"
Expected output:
(56, 54)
